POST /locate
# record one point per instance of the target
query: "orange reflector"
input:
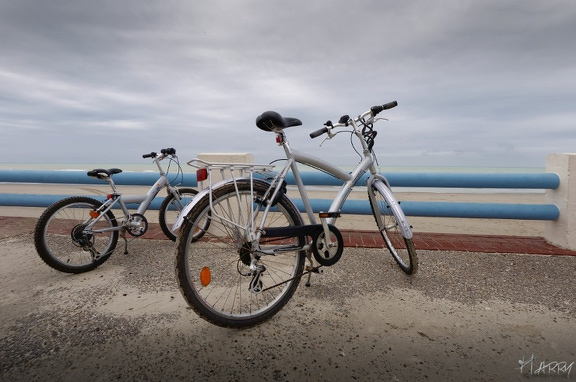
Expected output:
(201, 174)
(94, 214)
(205, 276)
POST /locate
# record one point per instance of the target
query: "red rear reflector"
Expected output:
(201, 174)
(109, 196)
(279, 139)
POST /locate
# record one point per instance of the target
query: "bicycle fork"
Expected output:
(381, 184)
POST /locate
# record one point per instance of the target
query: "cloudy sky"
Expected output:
(479, 83)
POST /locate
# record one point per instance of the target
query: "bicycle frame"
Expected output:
(349, 179)
(295, 157)
(143, 200)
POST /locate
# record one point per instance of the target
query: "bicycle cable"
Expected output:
(368, 133)
(179, 172)
(353, 146)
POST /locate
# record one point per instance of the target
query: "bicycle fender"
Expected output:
(381, 184)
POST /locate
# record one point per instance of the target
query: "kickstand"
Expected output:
(311, 268)
(125, 242)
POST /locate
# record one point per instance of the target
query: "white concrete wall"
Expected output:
(227, 157)
(562, 232)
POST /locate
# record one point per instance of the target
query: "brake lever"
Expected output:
(332, 135)
(329, 134)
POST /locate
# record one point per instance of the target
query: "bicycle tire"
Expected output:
(170, 209)
(389, 215)
(225, 300)
(65, 247)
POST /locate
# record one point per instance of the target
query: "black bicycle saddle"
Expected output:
(102, 173)
(271, 120)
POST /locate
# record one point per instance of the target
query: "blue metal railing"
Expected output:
(445, 180)
(411, 208)
(80, 177)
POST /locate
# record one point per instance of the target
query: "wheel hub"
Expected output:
(81, 239)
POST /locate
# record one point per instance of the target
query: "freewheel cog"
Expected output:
(81, 239)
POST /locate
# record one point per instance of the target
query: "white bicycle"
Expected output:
(79, 233)
(247, 266)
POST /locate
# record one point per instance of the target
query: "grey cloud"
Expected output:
(468, 76)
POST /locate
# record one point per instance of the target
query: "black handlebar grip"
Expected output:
(377, 109)
(151, 155)
(318, 133)
(390, 105)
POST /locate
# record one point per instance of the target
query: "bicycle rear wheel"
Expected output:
(62, 241)
(213, 272)
(392, 224)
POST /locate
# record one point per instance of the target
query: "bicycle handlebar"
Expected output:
(168, 151)
(374, 110)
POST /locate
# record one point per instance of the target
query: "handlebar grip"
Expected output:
(318, 133)
(390, 105)
(151, 155)
(377, 109)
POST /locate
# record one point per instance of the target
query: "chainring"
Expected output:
(324, 254)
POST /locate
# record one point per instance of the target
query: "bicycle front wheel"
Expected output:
(392, 224)
(213, 272)
(171, 207)
(64, 243)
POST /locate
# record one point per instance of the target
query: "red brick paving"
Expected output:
(460, 242)
(13, 226)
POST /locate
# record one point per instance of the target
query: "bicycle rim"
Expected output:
(388, 215)
(213, 271)
(64, 244)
